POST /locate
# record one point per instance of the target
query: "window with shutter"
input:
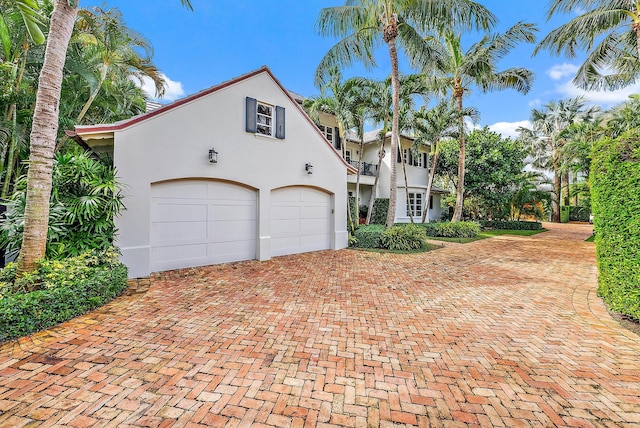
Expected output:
(265, 119)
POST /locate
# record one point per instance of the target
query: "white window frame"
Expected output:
(347, 155)
(268, 127)
(417, 160)
(415, 204)
(327, 131)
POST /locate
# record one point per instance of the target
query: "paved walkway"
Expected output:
(505, 331)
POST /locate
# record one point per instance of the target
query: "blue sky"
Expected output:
(222, 39)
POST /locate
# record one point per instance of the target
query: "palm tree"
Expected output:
(343, 100)
(546, 138)
(110, 46)
(43, 135)
(364, 25)
(609, 30)
(432, 126)
(461, 70)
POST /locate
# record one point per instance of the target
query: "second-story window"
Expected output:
(264, 119)
(327, 131)
(347, 155)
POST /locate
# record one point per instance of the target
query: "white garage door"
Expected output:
(200, 222)
(300, 220)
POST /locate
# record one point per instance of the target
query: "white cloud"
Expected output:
(602, 98)
(560, 71)
(535, 102)
(173, 89)
(509, 129)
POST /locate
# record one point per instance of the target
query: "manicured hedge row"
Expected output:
(26, 313)
(368, 236)
(445, 229)
(511, 225)
(615, 179)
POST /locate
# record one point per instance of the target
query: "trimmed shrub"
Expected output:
(380, 208)
(565, 214)
(615, 174)
(445, 229)
(353, 211)
(68, 288)
(368, 236)
(579, 214)
(403, 238)
(511, 225)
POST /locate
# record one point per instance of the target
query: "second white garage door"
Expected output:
(300, 220)
(201, 222)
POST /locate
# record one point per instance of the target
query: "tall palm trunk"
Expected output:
(43, 138)
(391, 33)
(565, 188)
(372, 198)
(94, 94)
(556, 188)
(360, 168)
(432, 175)
(457, 213)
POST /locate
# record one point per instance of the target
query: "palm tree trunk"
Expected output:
(565, 188)
(12, 151)
(360, 167)
(43, 138)
(432, 175)
(556, 190)
(457, 213)
(92, 97)
(395, 131)
(372, 198)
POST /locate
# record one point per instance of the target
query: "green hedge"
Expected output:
(404, 238)
(565, 214)
(446, 229)
(368, 236)
(511, 225)
(68, 290)
(579, 214)
(614, 179)
(380, 208)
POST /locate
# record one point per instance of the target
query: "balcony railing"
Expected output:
(364, 167)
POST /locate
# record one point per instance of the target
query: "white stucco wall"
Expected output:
(175, 144)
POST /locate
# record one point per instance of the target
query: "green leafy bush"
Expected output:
(368, 236)
(403, 238)
(579, 214)
(511, 225)
(614, 178)
(445, 229)
(565, 214)
(380, 208)
(66, 289)
(85, 198)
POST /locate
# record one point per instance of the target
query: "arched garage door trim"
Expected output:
(201, 221)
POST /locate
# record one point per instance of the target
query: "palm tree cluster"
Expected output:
(429, 33)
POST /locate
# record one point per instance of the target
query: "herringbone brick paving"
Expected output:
(506, 332)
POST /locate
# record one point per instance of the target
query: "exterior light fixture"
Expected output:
(309, 168)
(213, 155)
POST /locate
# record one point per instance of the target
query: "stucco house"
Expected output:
(417, 165)
(235, 172)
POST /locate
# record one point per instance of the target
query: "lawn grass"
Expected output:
(488, 234)
(590, 239)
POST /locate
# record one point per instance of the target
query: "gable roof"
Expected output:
(123, 124)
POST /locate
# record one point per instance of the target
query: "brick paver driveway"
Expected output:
(506, 331)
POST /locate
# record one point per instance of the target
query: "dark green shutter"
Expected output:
(424, 160)
(252, 106)
(280, 122)
(336, 136)
(399, 156)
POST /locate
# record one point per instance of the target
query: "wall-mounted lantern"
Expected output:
(213, 155)
(309, 168)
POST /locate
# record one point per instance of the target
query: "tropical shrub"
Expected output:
(84, 201)
(579, 214)
(614, 178)
(368, 236)
(565, 214)
(65, 289)
(379, 213)
(445, 229)
(511, 225)
(403, 238)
